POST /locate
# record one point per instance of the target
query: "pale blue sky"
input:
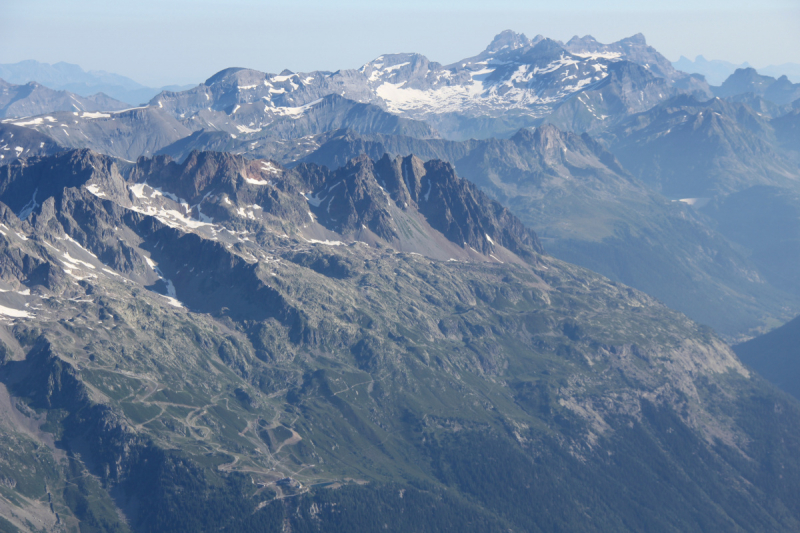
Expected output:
(185, 41)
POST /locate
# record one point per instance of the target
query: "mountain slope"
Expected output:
(787, 130)
(127, 134)
(17, 141)
(764, 221)
(503, 88)
(254, 121)
(212, 361)
(629, 89)
(590, 211)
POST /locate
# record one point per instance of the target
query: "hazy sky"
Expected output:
(158, 42)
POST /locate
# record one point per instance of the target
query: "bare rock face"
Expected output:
(364, 195)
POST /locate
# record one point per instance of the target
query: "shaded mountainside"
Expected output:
(628, 89)
(787, 130)
(776, 356)
(588, 210)
(636, 50)
(765, 222)
(450, 205)
(187, 348)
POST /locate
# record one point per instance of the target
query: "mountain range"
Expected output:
(506, 87)
(487, 296)
(289, 117)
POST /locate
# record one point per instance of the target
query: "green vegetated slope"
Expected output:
(227, 345)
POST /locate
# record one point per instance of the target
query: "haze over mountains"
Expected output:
(72, 78)
(487, 296)
(34, 99)
(717, 71)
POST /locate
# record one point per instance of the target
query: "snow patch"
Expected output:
(598, 55)
(314, 200)
(252, 181)
(327, 243)
(15, 313)
(89, 114)
(695, 202)
(295, 112)
(245, 129)
(35, 122)
(75, 263)
(270, 167)
(95, 190)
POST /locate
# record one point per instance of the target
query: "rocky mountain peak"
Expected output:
(27, 183)
(546, 48)
(410, 70)
(392, 196)
(508, 39)
(587, 42)
(744, 80)
(749, 74)
(637, 39)
(225, 74)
